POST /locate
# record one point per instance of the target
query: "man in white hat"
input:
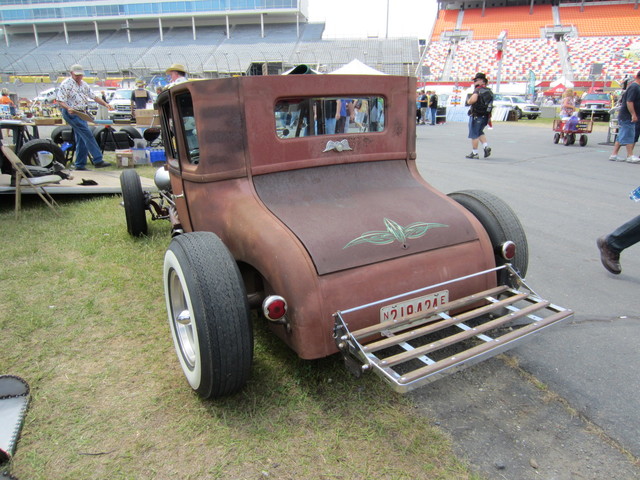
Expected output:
(72, 98)
(177, 74)
(139, 98)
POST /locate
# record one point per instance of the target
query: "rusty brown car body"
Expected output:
(335, 238)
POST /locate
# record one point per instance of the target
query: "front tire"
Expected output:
(208, 313)
(501, 224)
(134, 203)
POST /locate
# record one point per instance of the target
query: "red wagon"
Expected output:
(567, 133)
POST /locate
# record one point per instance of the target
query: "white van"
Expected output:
(47, 96)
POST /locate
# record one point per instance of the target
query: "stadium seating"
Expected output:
(603, 32)
(603, 20)
(516, 20)
(447, 20)
(585, 51)
(519, 56)
(179, 46)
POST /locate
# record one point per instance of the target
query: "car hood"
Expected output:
(352, 215)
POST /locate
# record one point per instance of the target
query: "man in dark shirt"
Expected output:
(481, 103)
(139, 98)
(628, 122)
(627, 234)
(424, 104)
(433, 107)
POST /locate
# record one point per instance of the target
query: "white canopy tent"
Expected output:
(356, 67)
(562, 81)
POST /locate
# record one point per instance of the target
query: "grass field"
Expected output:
(83, 320)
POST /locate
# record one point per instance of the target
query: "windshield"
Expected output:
(518, 100)
(597, 96)
(122, 95)
(301, 117)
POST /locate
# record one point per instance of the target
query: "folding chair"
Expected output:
(25, 179)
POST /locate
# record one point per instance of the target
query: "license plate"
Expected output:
(400, 310)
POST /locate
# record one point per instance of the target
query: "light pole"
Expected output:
(502, 42)
(387, 32)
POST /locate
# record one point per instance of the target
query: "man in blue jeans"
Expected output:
(433, 107)
(72, 98)
(628, 122)
(612, 245)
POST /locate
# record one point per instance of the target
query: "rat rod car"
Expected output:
(298, 196)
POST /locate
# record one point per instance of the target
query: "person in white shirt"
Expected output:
(177, 74)
(72, 98)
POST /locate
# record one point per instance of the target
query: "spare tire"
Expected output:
(29, 153)
(56, 133)
(132, 131)
(132, 134)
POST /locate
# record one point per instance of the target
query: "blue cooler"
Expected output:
(157, 157)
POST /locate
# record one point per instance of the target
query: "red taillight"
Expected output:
(274, 307)
(508, 250)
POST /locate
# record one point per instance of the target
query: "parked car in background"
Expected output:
(596, 105)
(518, 104)
(46, 96)
(121, 103)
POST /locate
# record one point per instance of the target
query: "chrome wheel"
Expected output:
(208, 314)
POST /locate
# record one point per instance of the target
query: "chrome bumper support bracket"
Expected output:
(419, 349)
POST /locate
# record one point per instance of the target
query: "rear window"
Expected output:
(302, 117)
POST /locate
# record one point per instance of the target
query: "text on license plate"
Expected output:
(400, 310)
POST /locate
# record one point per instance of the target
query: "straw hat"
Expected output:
(140, 83)
(177, 67)
(5, 91)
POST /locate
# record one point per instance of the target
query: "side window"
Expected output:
(168, 128)
(189, 131)
(302, 117)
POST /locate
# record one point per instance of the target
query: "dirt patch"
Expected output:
(507, 427)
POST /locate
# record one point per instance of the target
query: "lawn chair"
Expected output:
(24, 178)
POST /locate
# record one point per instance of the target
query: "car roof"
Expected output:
(247, 101)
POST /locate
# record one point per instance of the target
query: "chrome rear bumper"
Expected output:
(421, 348)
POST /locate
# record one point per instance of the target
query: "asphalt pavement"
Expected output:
(586, 370)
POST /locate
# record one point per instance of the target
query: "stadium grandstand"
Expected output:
(588, 40)
(211, 37)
